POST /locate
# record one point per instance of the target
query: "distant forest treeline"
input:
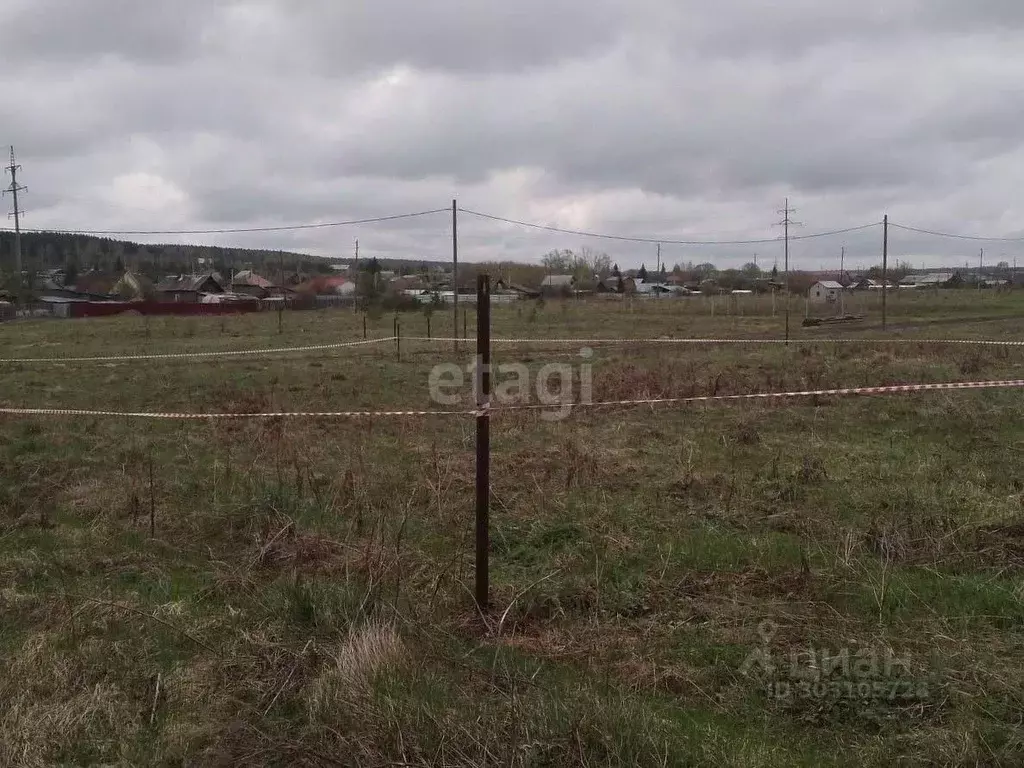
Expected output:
(41, 251)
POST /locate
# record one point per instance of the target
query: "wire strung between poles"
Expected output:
(491, 409)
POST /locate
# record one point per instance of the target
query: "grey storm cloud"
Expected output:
(59, 33)
(671, 119)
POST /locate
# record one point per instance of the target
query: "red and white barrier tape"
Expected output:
(184, 355)
(894, 389)
(201, 416)
(901, 340)
(348, 344)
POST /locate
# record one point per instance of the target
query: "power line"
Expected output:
(237, 230)
(656, 240)
(956, 236)
(14, 188)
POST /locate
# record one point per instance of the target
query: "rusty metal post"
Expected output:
(483, 439)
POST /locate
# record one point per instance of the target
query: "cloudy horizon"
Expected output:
(643, 118)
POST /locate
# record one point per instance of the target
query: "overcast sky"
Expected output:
(674, 119)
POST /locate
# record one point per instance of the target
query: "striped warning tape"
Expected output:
(894, 389)
(240, 415)
(184, 355)
(901, 340)
(343, 345)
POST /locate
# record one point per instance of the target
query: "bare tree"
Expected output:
(560, 262)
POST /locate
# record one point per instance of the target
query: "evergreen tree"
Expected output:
(642, 274)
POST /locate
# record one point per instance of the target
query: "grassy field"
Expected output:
(672, 585)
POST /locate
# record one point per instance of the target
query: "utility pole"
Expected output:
(842, 291)
(455, 272)
(885, 263)
(774, 280)
(14, 189)
(659, 259)
(355, 276)
(786, 223)
(981, 258)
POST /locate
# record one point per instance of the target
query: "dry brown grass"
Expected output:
(304, 597)
(368, 651)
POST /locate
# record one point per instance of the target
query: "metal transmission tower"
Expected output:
(14, 189)
(786, 223)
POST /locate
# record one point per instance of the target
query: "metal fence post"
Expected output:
(483, 438)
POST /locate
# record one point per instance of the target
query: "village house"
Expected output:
(848, 282)
(408, 283)
(328, 285)
(824, 291)
(249, 283)
(868, 284)
(932, 280)
(91, 283)
(639, 287)
(129, 286)
(133, 287)
(188, 288)
(558, 284)
(610, 284)
(503, 286)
